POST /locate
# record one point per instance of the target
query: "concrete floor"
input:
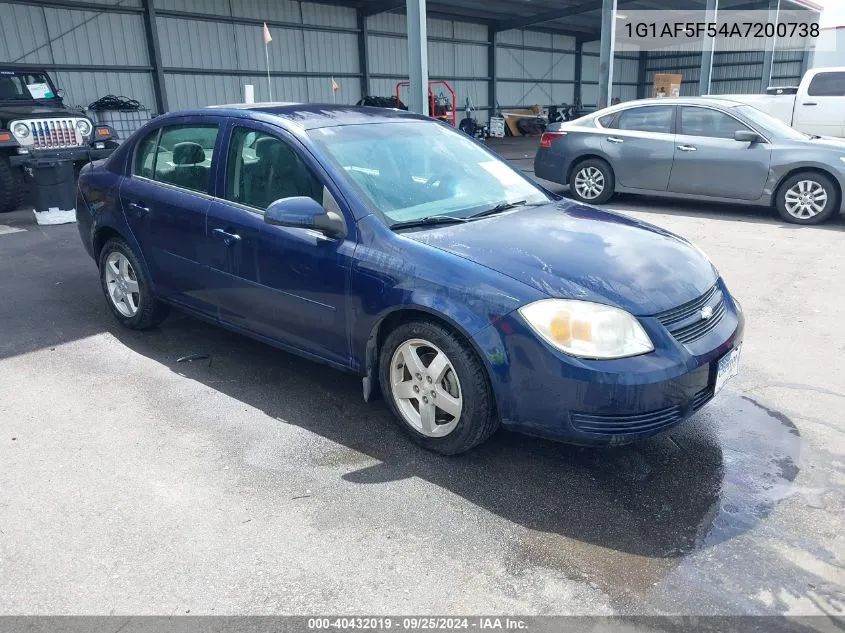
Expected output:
(256, 482)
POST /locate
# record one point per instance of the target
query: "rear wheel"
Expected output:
(127, 289)
(592, 181)
(436, 387)
(807, 198)
(11, 186)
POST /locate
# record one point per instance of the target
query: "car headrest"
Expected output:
(188, 153)
(267, 148)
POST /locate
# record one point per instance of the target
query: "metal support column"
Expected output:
(769, 53)
(579, 67)
(642, 63)
(606, 52)
(492, 71)
(708, 46)
(363, 53)
(417, 56)
(154, 51)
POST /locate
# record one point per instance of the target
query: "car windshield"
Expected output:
(770, 123)
(24, 86)
(410, 170)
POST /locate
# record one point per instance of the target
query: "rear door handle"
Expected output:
(615, 139)
(228, 238)
(687, 148)
(140, 209)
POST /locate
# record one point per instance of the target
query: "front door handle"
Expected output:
(687, 148)
(140, 209)
(809, 103)
(228, 238)
(615, 139)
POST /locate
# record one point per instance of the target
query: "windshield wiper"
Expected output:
(427, 221)
(499, 208)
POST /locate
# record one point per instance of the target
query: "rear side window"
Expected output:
(707, 122)
(827, 85)
(178, 155)
(607, 120)
(646, 119)
(262, 168)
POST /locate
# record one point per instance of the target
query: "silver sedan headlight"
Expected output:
(20, 130)
(586, 329)
(84, 127)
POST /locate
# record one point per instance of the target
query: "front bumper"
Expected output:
(75, 154)
(543, 392)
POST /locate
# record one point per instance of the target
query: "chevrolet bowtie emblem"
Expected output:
(706, 312)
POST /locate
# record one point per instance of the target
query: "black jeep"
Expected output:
(34, 123)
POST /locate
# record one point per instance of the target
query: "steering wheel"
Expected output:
(440, 179)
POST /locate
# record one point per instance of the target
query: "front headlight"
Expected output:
(587, 330)
(83, 126)
(20, 130)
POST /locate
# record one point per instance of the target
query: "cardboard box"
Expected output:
(666, 85)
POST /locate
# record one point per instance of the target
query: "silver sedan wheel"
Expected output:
(122, 284)
(589, 183)
(805, 199)
(425, 387)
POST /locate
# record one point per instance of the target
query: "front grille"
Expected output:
(686, 322)
(54, 133)
(638, 423)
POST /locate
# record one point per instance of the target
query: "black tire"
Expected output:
(151, 311)
(831, 206)
(478, 420)
(12, 186)
(606, 172)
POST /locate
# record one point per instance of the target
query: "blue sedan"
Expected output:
(392, 246)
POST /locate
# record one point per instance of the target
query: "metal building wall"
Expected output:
(626, 67)
(76, 45)
(457, 53)
(535, 67)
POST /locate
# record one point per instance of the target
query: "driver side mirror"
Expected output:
(747, 136)
(305, 213)
(60, 93)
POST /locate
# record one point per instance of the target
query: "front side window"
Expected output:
(646, 119)
(261, 169)
(707, 122)
(408, 170)
(827, 85)
(179, 155)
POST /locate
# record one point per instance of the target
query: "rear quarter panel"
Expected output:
(554, 163)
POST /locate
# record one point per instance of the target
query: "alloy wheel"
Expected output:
(426, 388)
(122, 284)
(805, 199)
(589, 183)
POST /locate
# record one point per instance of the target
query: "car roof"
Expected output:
(306, 116)
(706, 100)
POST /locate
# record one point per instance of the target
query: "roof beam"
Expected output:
(547, 16)
(380, 6)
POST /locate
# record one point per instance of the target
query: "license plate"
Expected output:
(728, 368)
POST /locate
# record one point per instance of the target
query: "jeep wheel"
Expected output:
(11, 186)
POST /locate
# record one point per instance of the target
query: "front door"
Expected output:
(286, 284)
(640, 146)
(165, 200)
(821, 110)
(709, 162)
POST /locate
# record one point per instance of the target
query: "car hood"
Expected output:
(572, 251)
(828, 141)
(12, 112)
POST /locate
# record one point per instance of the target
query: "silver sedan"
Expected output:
(701, 148)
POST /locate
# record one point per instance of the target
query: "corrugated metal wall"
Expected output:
(626, 67)
(535, 68)
(734, 72)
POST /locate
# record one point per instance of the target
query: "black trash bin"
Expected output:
(52, 182)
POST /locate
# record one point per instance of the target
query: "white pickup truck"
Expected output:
(818, 107)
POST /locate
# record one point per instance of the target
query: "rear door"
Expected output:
(640, 144)
(165, 200)
(822, 109)
(709, 162)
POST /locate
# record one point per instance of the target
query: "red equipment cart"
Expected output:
(436, 109)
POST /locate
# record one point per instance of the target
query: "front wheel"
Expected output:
(807, 198)
(127, 289)
(436, 387)
(592, 181)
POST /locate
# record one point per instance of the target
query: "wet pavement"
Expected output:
(251, 481)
